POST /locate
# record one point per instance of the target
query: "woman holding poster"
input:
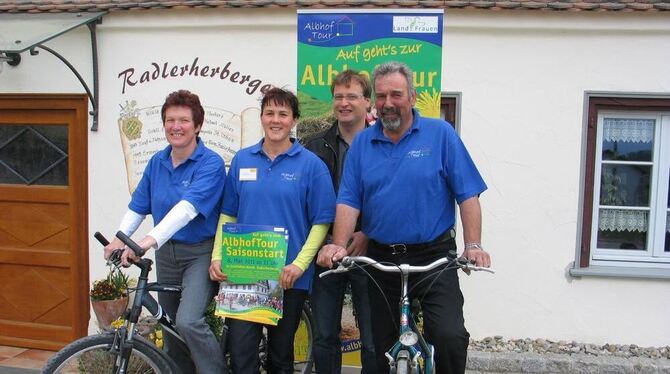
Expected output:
(277, 182)
(181, 188)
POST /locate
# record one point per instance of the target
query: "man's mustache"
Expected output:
(390, 111)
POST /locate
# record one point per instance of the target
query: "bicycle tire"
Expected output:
(307, 322)
(92, 354)
(403, 366)
(303, 366)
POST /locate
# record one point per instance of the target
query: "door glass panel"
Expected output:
(34, 154)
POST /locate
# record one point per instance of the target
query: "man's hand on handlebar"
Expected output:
(358, 245)
(329, 254)
(477, 256)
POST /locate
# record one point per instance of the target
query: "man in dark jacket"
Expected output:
(351, 102)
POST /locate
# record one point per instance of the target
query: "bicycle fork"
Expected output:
(410, 337)
(122, 347)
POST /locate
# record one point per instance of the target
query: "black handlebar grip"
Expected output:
(130, 243)
(101, 239)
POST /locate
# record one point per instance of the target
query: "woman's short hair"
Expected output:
(281, 96)
(187, 99)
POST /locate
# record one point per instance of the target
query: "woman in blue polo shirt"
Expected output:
(277, 182)
(181, 188)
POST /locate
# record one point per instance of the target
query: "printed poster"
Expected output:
(253, 257)
(332, 41)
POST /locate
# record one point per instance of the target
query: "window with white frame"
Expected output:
(631, 189)
(626, 213)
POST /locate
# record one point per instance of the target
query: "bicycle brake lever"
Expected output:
(339, 269)
(470, 266)
(115, 258)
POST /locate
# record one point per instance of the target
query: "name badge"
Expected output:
(248, 174)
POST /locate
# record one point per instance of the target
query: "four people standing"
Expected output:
(399, 183)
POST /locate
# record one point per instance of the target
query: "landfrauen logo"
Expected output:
(415, 24)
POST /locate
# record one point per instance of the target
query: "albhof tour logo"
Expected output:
(415, 24)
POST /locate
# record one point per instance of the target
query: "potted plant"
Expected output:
(109, 297)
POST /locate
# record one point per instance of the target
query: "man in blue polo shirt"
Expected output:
(404, 177)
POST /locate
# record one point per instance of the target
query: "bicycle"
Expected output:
(123, 350)
(411, 354)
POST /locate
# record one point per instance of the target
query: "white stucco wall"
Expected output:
(522, 77)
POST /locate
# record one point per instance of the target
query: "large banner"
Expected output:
(332, 41)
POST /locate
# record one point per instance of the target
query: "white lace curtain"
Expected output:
(626, 220)
(623, 220)
(628, 130)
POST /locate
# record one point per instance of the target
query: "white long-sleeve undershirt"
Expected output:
(178, 217)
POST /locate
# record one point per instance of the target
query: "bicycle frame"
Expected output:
(124, 336)
(147, 301)
(410, 339)
(407, 324)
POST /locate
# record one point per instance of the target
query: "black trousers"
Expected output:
(244, 337)
(441, 302)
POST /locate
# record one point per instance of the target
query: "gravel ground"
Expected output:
(498, 344)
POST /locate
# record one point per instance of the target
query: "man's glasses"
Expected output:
(348, 97)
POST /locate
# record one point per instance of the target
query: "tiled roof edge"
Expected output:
(56, 6)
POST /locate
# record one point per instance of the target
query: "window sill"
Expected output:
(620, 272)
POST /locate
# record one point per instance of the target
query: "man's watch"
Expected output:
(474, 245)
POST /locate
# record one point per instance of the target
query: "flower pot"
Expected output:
(106, 311)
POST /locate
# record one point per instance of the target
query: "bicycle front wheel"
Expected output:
(403, 366)
(304, 342)
(94, 354)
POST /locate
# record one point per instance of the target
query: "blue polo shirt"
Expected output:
(294, 191)
(198, 180)
(406, 192)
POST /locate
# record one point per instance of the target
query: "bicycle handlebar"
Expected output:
(130, 243)
(348, 262)
(115, 257)
(101, 238)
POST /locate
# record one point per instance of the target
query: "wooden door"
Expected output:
(43, 220)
